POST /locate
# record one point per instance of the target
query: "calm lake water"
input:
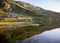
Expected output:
(51, 36)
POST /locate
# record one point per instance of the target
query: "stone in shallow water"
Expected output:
(51, 36)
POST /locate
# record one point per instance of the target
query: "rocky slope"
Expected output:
(38, 14)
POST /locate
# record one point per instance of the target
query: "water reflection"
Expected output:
(51, 36)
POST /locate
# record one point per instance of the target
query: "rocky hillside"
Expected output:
(38, 14)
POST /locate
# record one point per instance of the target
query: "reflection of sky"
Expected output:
(52, 36)
(53, 5)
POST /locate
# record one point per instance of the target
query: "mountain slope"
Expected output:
(36, 12)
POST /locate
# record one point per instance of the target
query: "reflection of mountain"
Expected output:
(51, 36)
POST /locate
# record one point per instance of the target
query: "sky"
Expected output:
(53, 5)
